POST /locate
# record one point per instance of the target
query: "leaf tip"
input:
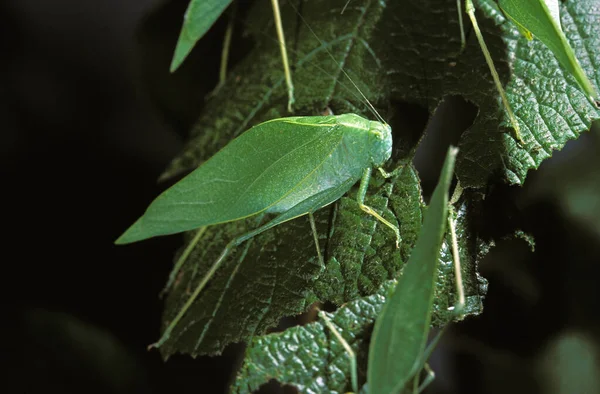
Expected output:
(133, 234)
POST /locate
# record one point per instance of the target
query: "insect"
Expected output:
(289, 167)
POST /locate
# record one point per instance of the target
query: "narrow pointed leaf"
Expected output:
(199, 17)
(400, 333)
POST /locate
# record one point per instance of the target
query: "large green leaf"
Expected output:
(277, 273)
(396, 51)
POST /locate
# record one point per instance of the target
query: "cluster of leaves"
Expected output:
(395, 51)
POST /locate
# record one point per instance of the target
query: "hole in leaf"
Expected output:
(408, 122)
(274, 387)
(307, 317)
(451, 118)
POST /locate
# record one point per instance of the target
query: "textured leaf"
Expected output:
(547, 100)
(419, 65)
(396, 51)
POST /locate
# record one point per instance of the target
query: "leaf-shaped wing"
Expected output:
(250, 175)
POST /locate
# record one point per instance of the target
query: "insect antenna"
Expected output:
(364, 98)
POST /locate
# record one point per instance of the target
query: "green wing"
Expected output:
(248, 176)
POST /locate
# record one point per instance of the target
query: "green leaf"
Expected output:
(547, 100)
(400, 334)
(542, 18)
(199, 17)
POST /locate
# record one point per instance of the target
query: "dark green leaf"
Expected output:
(278, 274)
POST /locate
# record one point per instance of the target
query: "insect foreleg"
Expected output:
(388, 175)
(362, 191)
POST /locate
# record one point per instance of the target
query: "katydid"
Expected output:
(289, 166)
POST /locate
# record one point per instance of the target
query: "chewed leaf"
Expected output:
(542, 18)
(199, 17)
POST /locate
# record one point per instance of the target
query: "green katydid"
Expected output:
(539, 18)
(289, 166)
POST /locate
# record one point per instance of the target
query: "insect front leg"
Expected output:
(362, 191)
(388, 175)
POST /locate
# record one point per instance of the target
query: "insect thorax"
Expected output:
(369, 138)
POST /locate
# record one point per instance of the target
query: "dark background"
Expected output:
(90, 117)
